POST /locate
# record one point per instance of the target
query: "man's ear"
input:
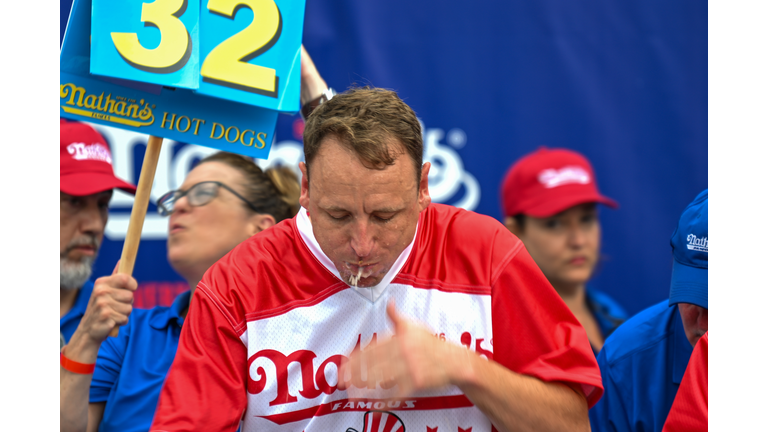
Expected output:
(512, 225)
(304, 197)
(424, 198)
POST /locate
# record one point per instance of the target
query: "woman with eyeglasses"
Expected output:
(223, 201)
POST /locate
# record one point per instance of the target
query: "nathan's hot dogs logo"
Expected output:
(700, 244)
(315, 382)
(138, 113)
(118, 110)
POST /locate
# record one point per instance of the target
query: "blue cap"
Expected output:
(690, 249)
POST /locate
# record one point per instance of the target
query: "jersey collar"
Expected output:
(371, 294)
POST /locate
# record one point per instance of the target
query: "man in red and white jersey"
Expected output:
(375, 310)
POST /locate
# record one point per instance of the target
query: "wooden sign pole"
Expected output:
(139, 210)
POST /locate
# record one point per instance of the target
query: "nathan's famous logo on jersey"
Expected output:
(381, 421)
(314, 381)
(700, 244)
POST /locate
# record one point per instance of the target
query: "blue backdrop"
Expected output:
(625, 83)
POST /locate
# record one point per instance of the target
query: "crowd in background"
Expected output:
(550, 199)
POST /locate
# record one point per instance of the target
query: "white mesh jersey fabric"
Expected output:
(288, 350)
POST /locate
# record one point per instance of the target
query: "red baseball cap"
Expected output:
(85, 162)
(549, 181)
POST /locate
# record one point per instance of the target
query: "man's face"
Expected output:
(83, 219)
(695, 321)
(362, 218)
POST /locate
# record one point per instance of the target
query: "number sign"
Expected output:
(152, 97)
(148, 42)
(246, 51)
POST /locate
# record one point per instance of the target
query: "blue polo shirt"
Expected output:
(642, 364)
(131, 368)
(69, 322)
(608, 314)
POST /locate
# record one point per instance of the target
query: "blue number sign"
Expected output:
(153, 68)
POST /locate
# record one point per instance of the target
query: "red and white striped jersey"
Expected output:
(270, 323)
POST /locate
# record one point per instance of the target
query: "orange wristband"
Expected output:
(76, 367)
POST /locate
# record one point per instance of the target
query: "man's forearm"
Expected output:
(74, 387)
(515, 402)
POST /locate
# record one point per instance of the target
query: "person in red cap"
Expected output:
(86, 183)
(549, 198)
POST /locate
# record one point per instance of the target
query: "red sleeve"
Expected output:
(534, 331)
(206, 385)
(690, 410)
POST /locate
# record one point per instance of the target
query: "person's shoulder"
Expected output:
(459, 247)
(455, 217)
(464, 226)
(278, 261)
(159, 316)
(279, 243)
(141, 318)
(610, 306)
(641, 333)
(87, 287)
(275, 240)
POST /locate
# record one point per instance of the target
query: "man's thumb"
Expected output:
(397, 320)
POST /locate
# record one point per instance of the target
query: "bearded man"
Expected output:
(85, 185)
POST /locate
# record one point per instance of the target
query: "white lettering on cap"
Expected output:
(567, 175)
(96, 151)
(698, 243)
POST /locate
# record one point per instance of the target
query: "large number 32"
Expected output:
(226, 64)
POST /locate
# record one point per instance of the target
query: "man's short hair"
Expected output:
(366, 120)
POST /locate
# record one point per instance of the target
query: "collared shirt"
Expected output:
(642, 364)
(69, 322)
(608, 314)
(131, 368)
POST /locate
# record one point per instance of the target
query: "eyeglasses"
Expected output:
(198, 195)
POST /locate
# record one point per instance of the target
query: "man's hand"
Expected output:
(413, 359)
(109, 306)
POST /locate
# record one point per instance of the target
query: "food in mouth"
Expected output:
(354, 279)
(362, 272)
